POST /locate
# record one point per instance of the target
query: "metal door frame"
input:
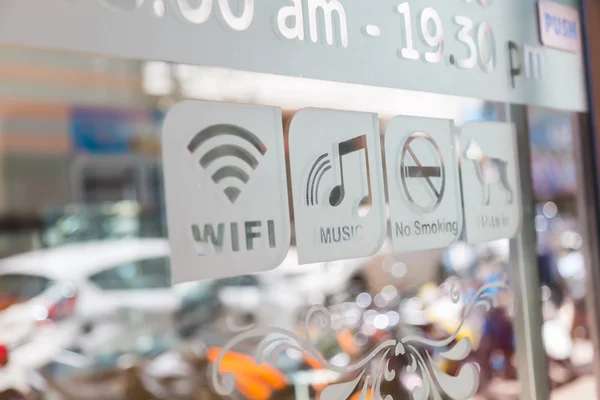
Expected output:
(587, 146)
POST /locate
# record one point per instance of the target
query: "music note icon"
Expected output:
(337, 194)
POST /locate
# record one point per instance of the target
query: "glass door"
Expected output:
(306, 199)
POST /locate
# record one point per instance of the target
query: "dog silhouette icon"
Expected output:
(490, 171)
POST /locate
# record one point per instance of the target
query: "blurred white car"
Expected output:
(407, 272)
(332, 282)
(87, 295)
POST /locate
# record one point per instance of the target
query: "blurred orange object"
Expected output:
(346, 341)
(254, 381)
(252, 388)
(357, 395)
(7, 300)
(312, 362)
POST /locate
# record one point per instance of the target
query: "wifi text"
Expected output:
(243, 236)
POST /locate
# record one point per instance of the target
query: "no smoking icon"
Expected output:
(422, 173)
(423, 185)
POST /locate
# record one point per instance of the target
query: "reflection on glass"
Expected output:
(87, 309)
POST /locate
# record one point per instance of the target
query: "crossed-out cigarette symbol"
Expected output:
(423, 172)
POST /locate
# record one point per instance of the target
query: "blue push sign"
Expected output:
(559, 26)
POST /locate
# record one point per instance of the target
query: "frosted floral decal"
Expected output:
(435, 382)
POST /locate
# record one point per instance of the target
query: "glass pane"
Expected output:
(85, 178)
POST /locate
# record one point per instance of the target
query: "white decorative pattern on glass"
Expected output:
(435, 382)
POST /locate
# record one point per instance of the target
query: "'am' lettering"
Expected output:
(291, 19)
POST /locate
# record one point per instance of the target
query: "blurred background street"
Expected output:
(87, 309)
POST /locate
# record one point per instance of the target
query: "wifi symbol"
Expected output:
(240, 151)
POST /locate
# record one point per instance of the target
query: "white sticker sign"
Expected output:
(423, 185)
(559, 26)
(226, 190)
(489, 170)
(336, 172)
(483, 49)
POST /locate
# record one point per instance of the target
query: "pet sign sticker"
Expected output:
(491, 192)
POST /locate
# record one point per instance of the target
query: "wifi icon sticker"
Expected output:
(231, 178)
(226, 190)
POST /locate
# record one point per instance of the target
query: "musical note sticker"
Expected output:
(336, 174)
(337, 194)
(322, 165)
